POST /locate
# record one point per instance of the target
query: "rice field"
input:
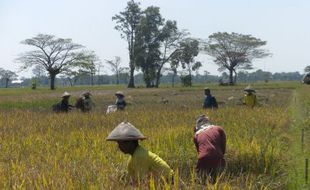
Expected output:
(44, 150)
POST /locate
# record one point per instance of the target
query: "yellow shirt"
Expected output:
(250, 100)
(144, 163)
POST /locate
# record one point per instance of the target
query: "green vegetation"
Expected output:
(43, 150)
(300, 111)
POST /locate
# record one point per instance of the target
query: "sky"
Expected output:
(284, 24)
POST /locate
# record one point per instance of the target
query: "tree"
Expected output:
(73, 75)
(116, 67)
(99, 65)
(148, 43)
(7, 76)
(170, 45)
(85, 68)
(38, 71)
(307, 69)
(56, 55)
(189, 49)
(127, 23)
(234, 51)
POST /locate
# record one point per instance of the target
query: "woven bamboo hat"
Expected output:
(87, 93)
(66, 94)
(249, 89)
(119, 93)
(125, 131)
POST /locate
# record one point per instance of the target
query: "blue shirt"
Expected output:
(210, 102)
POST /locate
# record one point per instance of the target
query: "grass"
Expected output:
(300, 113)
(43, 150)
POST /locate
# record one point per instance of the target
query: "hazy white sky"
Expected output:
(284, 24)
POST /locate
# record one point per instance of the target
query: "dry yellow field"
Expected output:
(43, 150)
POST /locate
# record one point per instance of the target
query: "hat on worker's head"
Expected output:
(65, 94)
(120, 93)
(125, 131)
(201, 120)
(249, 89)
(207, 89)
(87, 93)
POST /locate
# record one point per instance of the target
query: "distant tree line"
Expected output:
(156, 46)
(167, 79)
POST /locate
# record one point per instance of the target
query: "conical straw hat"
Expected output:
(249, 89)
(65, 94)
(125, 131)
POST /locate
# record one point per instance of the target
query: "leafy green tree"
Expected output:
(56, 55)
(148, 43)
(189, 49)
(235, 51)
(127, 23)
(7, 76)
(85, 68)
(169, 46)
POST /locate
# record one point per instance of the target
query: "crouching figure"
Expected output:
(210, 142)
(143, 164)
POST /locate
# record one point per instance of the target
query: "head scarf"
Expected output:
(202, 123)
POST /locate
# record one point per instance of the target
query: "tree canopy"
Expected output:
(116, 67)
(234, 51)
(185, 56)
(307, 69)
(127, 23)
(56, 55)
(7, 76)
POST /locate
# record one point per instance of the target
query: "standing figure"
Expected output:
(210, 142)
(120, 100)
(85, 103)
(143, 164)
(209, 101)
(63, 105)
(249, 97)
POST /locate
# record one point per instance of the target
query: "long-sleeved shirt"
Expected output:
(210, 102)
(250, 100)
(88, 104)
(211, 146)
(120, 103)
(144, 163)
(64, 106)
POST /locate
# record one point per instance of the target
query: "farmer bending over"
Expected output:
(249, 97)
(209, 101)
(143, 163)
(63, 105)
(210, 142)
(120, 100)
(85, 103)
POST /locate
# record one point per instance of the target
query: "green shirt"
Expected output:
(88, 104)
(144, 163)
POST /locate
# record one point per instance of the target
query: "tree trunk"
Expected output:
(117, 78)
(92, 79)
(158, 75)
(235, 78)
(53, 76)
(148, 84)
(173, 77)
(6, 82)
(131, 83)
(70, 82)
(231, 78)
